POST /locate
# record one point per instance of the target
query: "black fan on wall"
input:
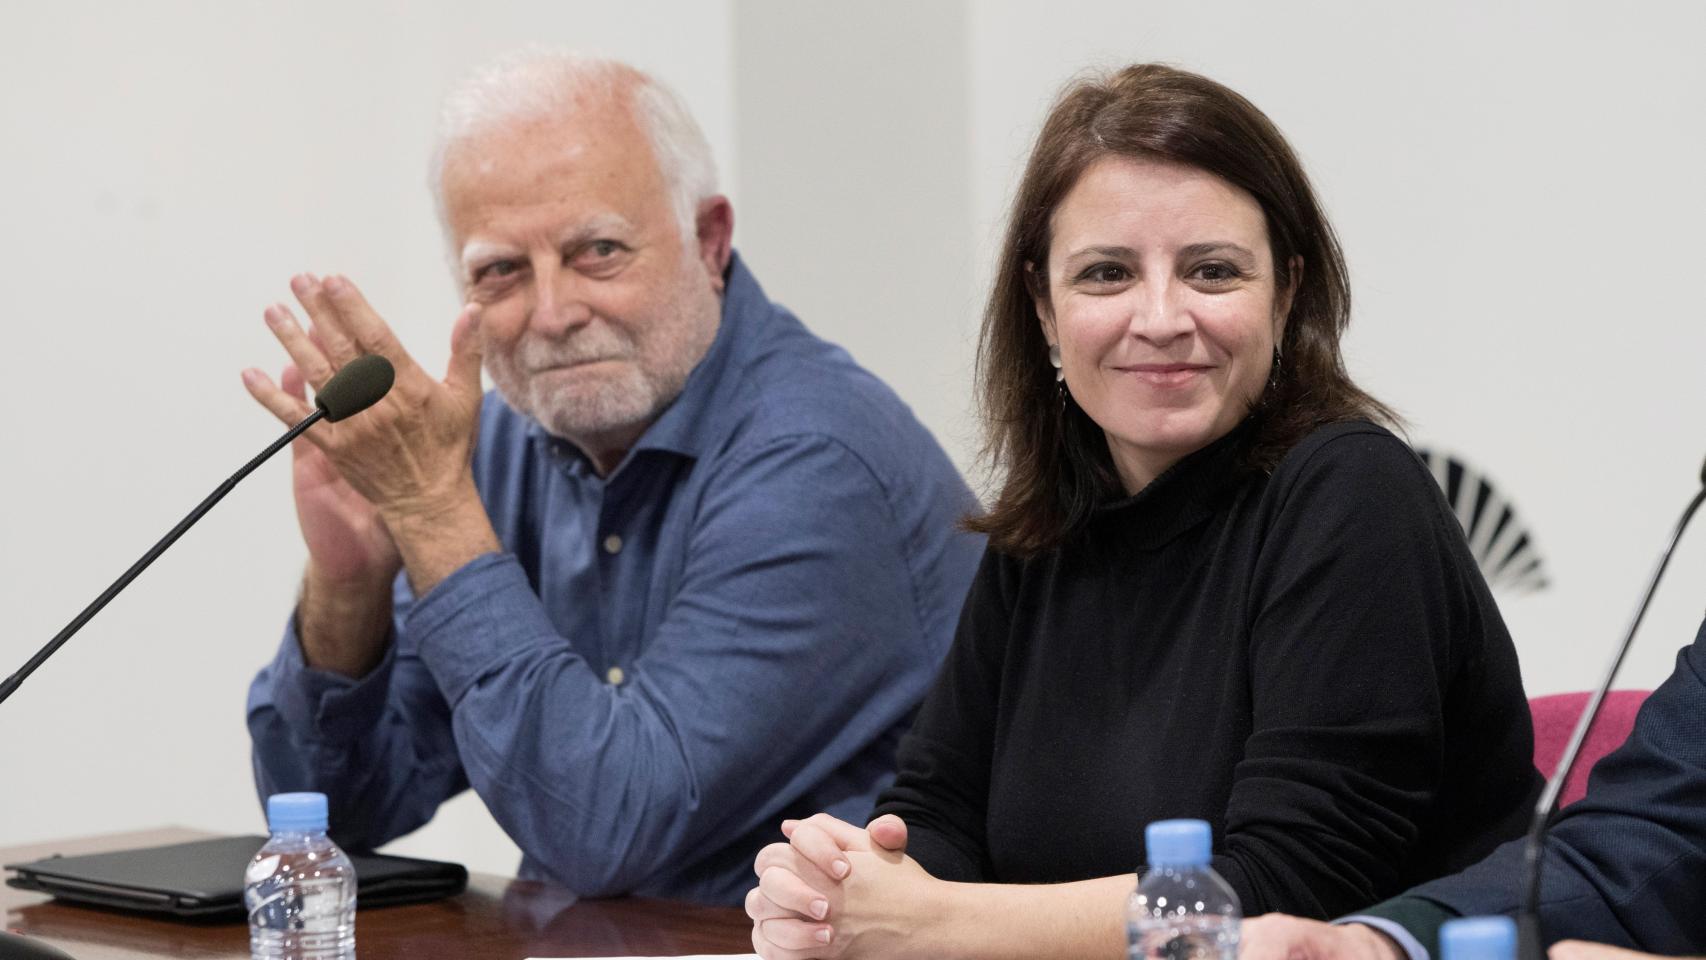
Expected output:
(1500, 540)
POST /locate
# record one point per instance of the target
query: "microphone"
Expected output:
(1530, 945)
(354, 388)
(359, 385)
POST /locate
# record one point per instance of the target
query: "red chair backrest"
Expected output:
(1555, 719)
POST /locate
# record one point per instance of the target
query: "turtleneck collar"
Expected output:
(1183, 496)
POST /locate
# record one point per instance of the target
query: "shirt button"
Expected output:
(614, 675)
(613, 544)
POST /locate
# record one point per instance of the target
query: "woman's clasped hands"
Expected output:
(834, 890)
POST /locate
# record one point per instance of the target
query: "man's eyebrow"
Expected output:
(595, 226)
(476, 252)
(479, 252)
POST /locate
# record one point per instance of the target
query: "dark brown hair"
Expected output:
(1052, 458)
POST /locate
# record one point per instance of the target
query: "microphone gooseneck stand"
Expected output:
(358, 385)
(16, 680)
(1530, 941)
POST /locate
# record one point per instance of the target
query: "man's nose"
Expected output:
(559, 303)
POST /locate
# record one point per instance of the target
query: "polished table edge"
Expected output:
(499, 917)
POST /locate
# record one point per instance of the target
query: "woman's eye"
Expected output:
(1105, 273)
(1216, 272)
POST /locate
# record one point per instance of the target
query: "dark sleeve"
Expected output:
(942, 787)
(1358, 589)
(1419, 917)
(1625, 865)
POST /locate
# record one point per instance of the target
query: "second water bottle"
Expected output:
(1182, 909)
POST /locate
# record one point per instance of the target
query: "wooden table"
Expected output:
(494, 918)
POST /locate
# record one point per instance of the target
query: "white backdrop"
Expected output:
(1516, 186)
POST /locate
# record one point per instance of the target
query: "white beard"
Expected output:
(611, 399)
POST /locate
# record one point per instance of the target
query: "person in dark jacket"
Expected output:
(1625, 866)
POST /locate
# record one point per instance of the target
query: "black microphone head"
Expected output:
(356, 387)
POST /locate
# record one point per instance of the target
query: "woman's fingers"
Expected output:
(849, 836)
(811, 841)
(784, 888)
(781, 854)
(797, 935)
(767, 950)
(889, 832)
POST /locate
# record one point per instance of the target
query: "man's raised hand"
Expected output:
(389, 487)
(409, 454)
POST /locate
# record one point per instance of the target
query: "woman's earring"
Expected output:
(1059, 374)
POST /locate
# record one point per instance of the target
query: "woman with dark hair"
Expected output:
(1215, 586)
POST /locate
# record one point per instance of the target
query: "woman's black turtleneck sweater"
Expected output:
(1308, 660)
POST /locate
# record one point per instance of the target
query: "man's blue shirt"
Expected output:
(733, 627)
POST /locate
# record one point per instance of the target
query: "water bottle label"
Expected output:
(1199, 937)
(261, 869)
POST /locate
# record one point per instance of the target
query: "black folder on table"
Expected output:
(203, 879)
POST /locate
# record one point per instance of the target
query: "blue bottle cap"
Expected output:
(1478, 938)
(1178, 843)
(296, 813)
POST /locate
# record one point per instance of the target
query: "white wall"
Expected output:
(1517, 187)
(853, 137)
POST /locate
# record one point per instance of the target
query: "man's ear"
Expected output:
(715, 225)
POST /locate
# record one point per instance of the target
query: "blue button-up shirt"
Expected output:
(733, 627)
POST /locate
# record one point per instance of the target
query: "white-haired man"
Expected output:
(686, 575)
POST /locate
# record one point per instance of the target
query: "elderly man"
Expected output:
(687, 577)
(1625, 866)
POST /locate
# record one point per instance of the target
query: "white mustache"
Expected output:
(534, 355)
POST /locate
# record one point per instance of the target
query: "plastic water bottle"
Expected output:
(300, 888)
(1478, 938)
(1182, 909)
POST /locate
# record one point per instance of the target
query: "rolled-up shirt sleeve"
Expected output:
(791, 644)
(379, 747)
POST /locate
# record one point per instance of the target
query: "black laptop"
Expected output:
(203, 879)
